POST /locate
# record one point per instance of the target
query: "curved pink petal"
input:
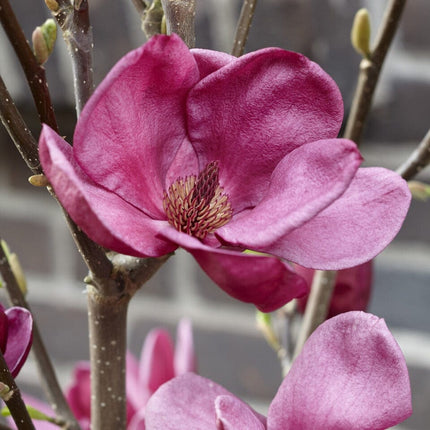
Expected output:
(351, 375)
(132, 126)
(210, 61)
(185, 358)
(156, 360)
(266, 282)
(186, 402)
(136, 394)
(351, 291)
(102, 215)
(233, 414)
(78, 394)
(3, 329)
(253, 111)
(19, 339)
(355, 228)
(304, 182)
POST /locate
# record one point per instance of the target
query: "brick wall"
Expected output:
(229, 348)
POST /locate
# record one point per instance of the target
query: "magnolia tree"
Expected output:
(237, 159)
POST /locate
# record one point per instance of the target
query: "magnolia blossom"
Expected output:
(217, 155)
(351, 290)
(350, 375)
(159, 362)
(16, 335)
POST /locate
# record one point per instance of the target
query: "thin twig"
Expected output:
(34, 72)
(15, 403)
(419, 159)
(370, 69)
(180, 15)
(74, 22)
(324, 281)
(49, 380)
(243, 26)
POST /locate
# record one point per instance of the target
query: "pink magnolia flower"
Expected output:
(351, 375)
(16, 336)
(219, 154)
(159, 362)
(351, 291)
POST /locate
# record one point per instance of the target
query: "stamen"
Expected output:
(197, 205)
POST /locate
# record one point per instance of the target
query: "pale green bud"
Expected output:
(16, 267)
(360, 33)
(264, 324)
(44, 38)
(419, 190)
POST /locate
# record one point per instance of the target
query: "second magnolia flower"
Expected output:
(219, 154)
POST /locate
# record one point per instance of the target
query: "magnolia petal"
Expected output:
(210, 61)
(131, 128)
(156, 360)
(3, 329)
(105, 217)
(185, 402)
(79, 393)
(138, 421)
(351, 375)
(305, 182)
(137, 395)
(19, 339)
(355, 228)
(185, 358)
(233, 414)
(253, 111)
(265, 281)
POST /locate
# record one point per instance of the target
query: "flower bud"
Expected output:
(360, 33)
(15, 266)
(419, 190)
(44, 38)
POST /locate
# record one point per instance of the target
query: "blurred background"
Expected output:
(229, 348)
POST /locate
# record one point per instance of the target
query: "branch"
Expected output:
(324, 281)
(51, 386)
(74, 21)
(419, 159)
(34, 72)
(14, 403)
(243, 26)
(18, 130)
(370, 69)
(180, 16)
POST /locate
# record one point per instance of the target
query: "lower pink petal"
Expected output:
(184, 403)
(20, 336)
(350, 375)
(79, 393)
(265, 281)
(233, 414)
(355, 228)
(103, 216)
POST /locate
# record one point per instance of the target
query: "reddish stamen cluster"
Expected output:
(197, 205)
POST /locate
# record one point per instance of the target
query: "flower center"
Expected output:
(197, 205)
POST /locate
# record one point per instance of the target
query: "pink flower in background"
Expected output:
(219, 154)
(16, 335)
(351, 291)
(159, 362)
(351, 375)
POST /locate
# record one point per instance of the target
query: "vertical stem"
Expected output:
(107, 321)
(180, 16)
(243, 26)
(15, 403)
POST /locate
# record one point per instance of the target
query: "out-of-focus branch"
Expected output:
(243, 26)
(73, 19)
(49, 380)
(34, 72)
(180, 15)
(370, 69)
(419, 159)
